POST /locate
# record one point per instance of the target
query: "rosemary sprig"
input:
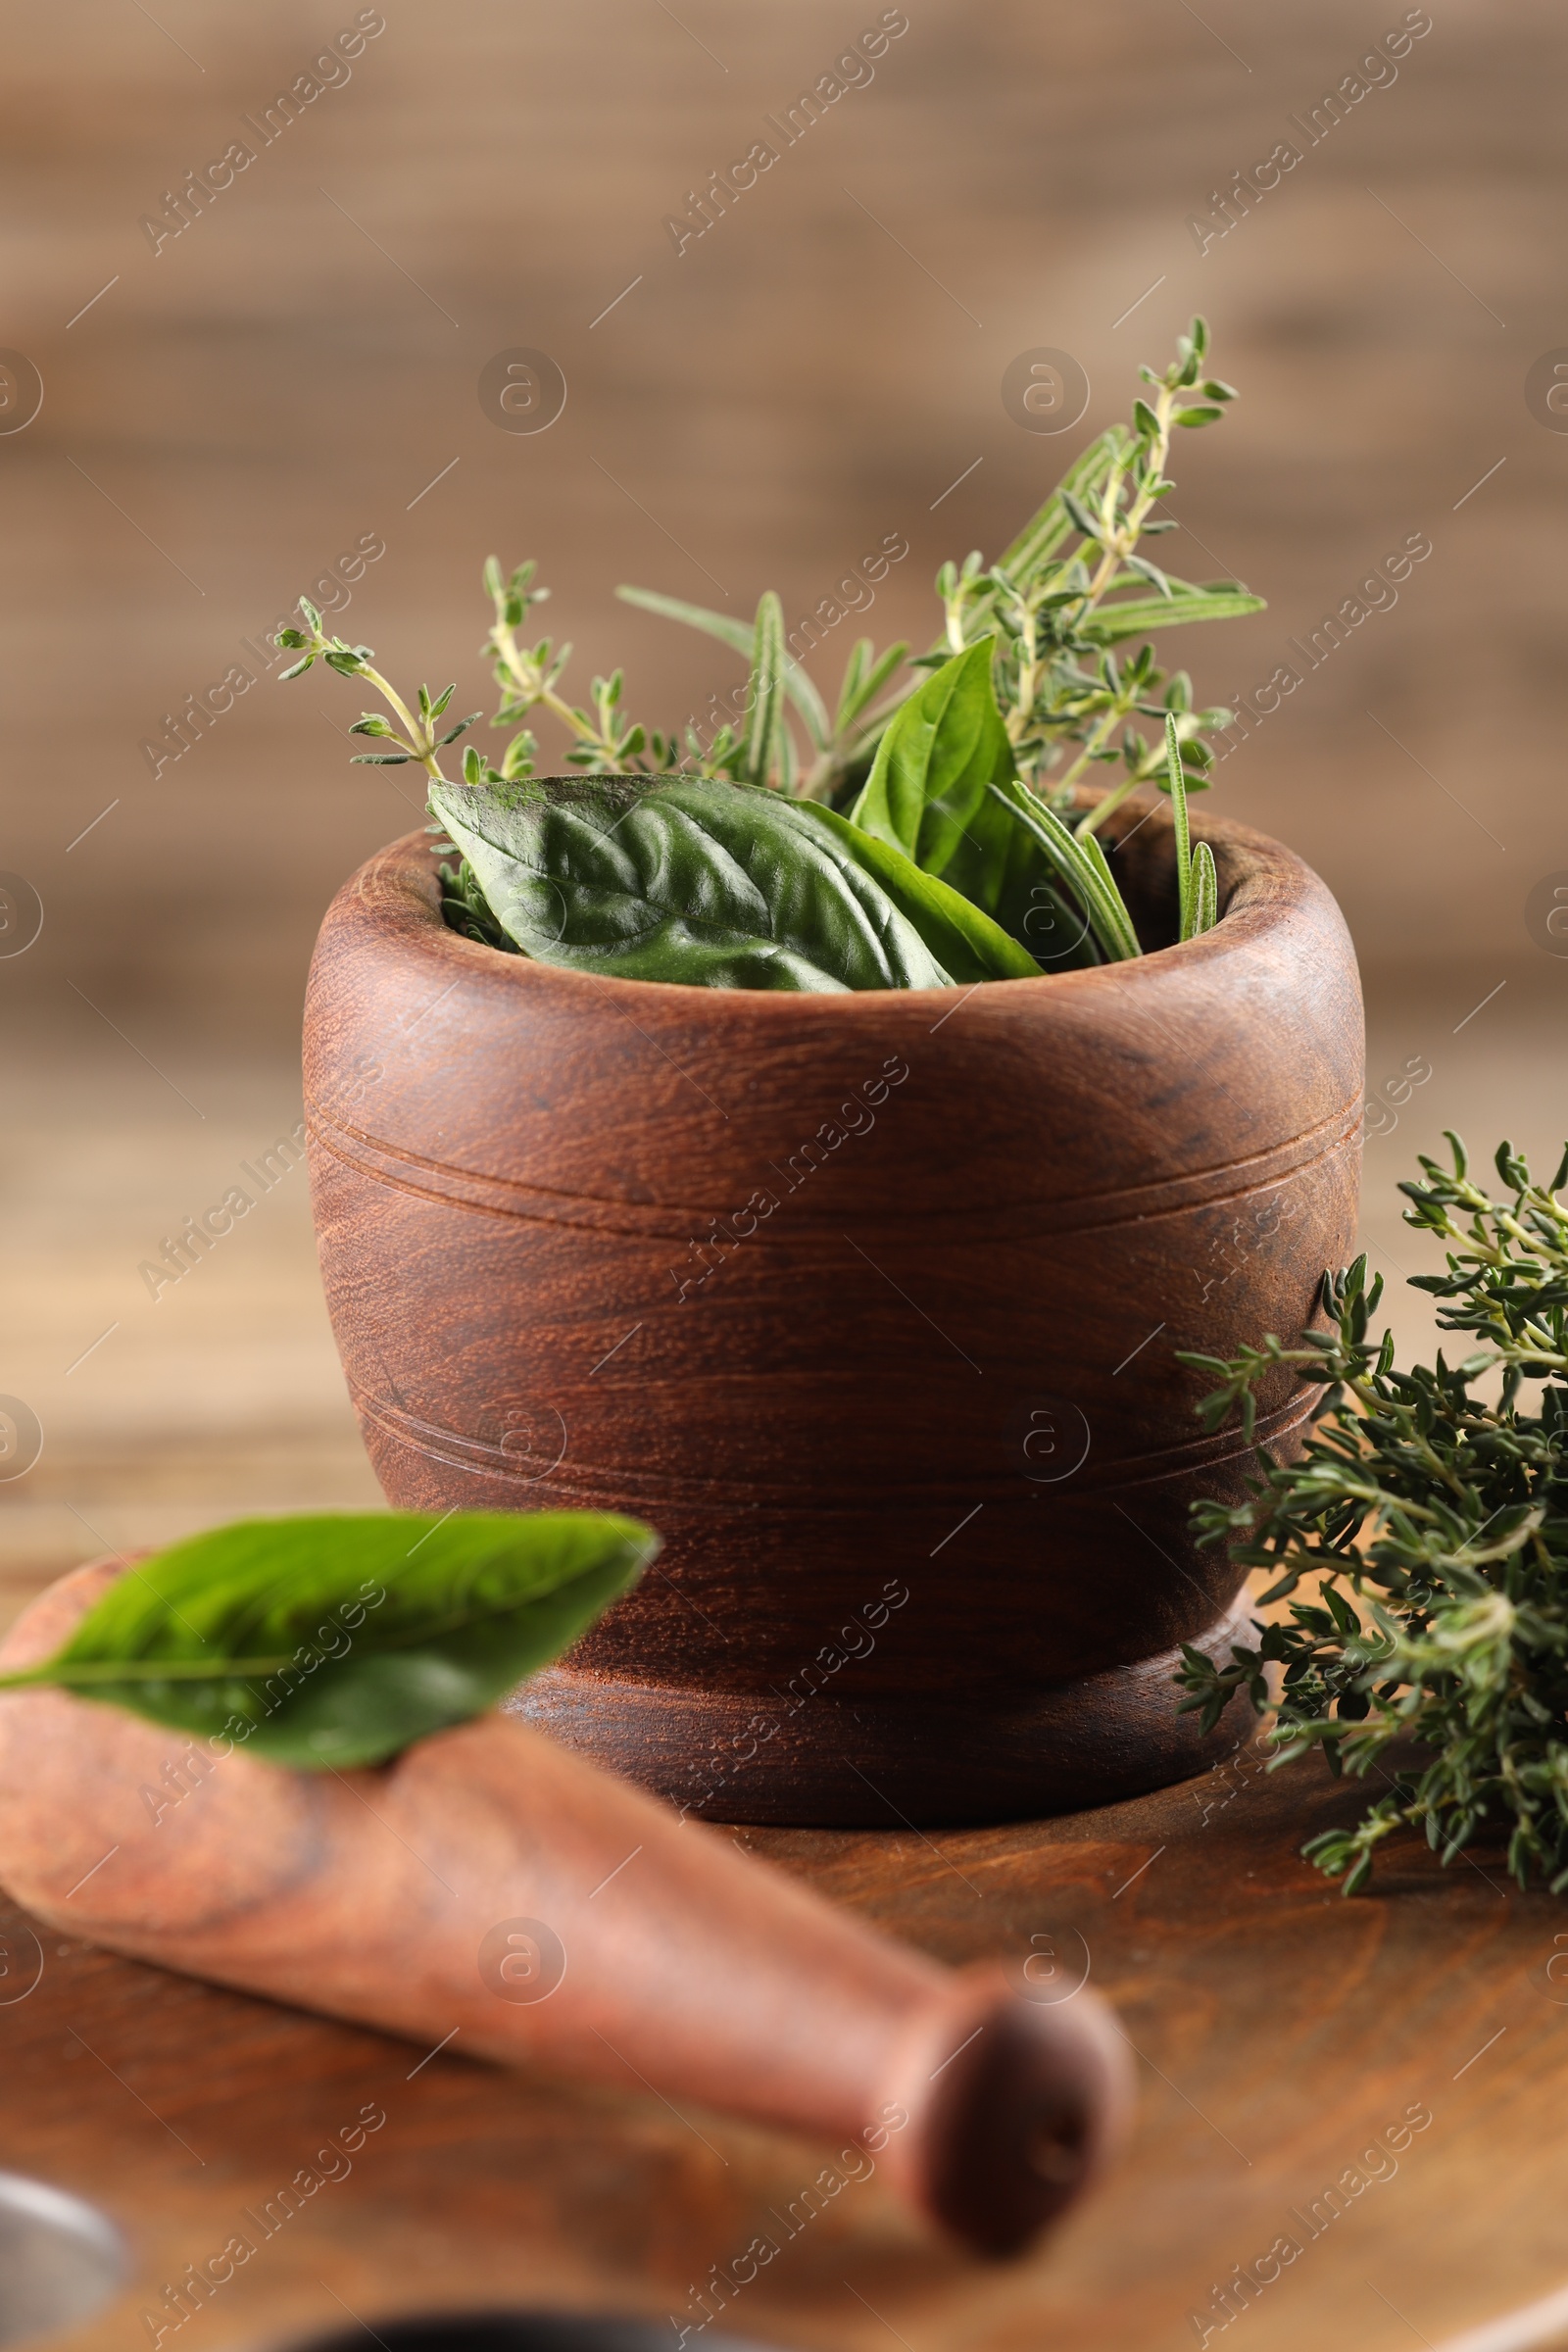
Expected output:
(1081, 864)
(1196, 881)
(1056, 605)
(1073, 586)
(1433, 1528)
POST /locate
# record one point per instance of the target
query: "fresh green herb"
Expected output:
(838, 747)
(339, 1640)
(527, 676)
(766, 747)
(419, 741)
(957, 930)
(941, 748)
(1073, 584)
(1432, 1528)
(929, 794)
(466, 908)
(1205, 892)
(713, 885)
(1197, 882)
(971, 774)
(1080, 864)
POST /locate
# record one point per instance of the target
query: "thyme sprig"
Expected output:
(419, 742)
(527, 677)
(1053, 606)
(1075, 584)
(1431, 1525)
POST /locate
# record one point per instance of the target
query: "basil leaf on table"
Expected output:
(339, 1640)
(684, 879)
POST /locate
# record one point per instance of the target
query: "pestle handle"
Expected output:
(488, 1886)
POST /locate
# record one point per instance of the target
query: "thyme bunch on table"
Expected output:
(1426, 1528)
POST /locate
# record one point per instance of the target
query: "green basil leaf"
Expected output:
(684, 879)
(960, 935)
(340, 1640)
(927, 796)
(937, 754)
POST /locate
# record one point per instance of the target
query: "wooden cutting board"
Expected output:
(1290, 2042)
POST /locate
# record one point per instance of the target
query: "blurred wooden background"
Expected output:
(299, 369)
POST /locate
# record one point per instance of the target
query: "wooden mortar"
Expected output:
(869, 1302)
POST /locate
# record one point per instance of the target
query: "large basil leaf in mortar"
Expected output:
(939, 751)
(960, 934)
(685, 879)
(927, 797)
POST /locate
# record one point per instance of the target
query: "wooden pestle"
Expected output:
(490, 1889)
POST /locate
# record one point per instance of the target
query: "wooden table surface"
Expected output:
(1288, 2026)
(1281, 2033)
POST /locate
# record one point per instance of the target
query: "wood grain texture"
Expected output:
(548, 1913)
(1278, 2030)
(810, 1282)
